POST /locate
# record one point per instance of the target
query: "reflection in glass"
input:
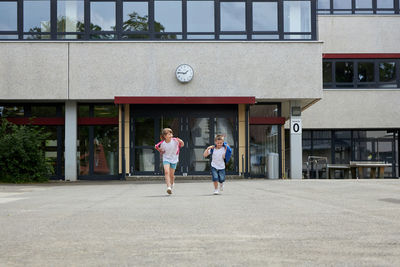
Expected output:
(366, 71)
(327, 72)
(387, 72)
(344, 71)
(197, 162)
(265, 16)
(144, 160)
(225, 126)
(102, 36)
(70, 16)
(144, 131)
(50, 147)
(200, 37)
(265, 37)
(297, 16)
(169, 16)
(105, 111)
(324, 4)
(264, 110)
(105, 150)
(83, 111)
(102, 16)
(83, 148)
(172, 123)
(363, 3)
(199, 131)
(342, 4)
(384, 3)
(36, 16)
(69, 37)
(200, 16)
(264, 151)
(297, 36)
(232, 37)
(36, 37)
(136, 16)
(8, 37)
(233, 16)
(11, 111)
(8, 16)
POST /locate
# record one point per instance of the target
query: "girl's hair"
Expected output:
(219, 137)
(164, 132)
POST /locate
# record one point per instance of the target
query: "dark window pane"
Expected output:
(297, 17)
(321, 134)
(44, 111)
(83, 150)
(324, 4)
(144, 160)
(265, 16)
(105, 157)
(168, 36)
(135, 36)
(384, 3)
(306, 134)
(342, 134)
(327, 70)
(342, 4)
(36, 37)
(344, 72)
(366, 71)
(11, 111)
(233, 16)
(168, 16)
(83, 111)
(363, 3)
(102, 16)
(70, 37)
(199, 132)
(342, 151)
(226, 127)
(387, 72)
(8, 16)
(136, 16)
(102, 36)
(36, 16)
(264, 111)
(144, 132)
(106, 111)
(70, 16)
(200, 16)
(197, 162)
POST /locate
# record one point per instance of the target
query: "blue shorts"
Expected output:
(218, 175)
(171, 165)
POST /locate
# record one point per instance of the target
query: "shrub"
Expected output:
(22, 157)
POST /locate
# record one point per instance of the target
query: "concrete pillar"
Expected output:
(296, 149)
(71, 137)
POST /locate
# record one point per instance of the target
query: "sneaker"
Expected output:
(221, 187)
(169, 190)
(216, 192)
(172, 186)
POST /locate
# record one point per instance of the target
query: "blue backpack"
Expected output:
(228, 153)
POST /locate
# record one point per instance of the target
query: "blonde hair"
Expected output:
(219, 137)
(164, 132)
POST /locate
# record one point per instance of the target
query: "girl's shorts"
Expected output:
(171, 165)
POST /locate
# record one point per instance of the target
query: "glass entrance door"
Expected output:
(196, 125)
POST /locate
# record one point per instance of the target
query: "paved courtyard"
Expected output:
(253, 223)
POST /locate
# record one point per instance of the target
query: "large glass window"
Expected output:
(169, 16)
(37, 16)
(8, 16)
(265, 16)
(70, 16)
(358, 7)
(200, 16)
(368, 73)
(136, 16)
(102, 16)
(297, 19)
(233, 16)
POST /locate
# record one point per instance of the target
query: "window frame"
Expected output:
(353, 10)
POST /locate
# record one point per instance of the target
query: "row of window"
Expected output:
(158, 19)
(361, 73)
(358, 6)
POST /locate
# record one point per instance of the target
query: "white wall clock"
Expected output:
(184, 73)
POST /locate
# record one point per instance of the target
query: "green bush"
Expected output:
(22, 157)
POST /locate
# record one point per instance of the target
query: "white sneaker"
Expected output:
(172, 186)
(216, 192)
(221, 186)
(169, 190)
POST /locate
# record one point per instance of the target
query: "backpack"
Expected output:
(228, 153)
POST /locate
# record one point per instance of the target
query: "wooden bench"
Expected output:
(373, 165)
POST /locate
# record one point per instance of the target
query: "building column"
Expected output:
(71, 137)
(296, 149)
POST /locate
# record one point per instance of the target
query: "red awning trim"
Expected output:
(355, 55)
(269, 120)
(37, 121)
(184, 100)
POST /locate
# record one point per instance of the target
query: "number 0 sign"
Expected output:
(295, 126)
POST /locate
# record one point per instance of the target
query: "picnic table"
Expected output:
(373, 165)
(330, 170)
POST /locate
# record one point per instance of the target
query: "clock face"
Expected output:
(184, 73)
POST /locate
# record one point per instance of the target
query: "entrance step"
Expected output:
(178, 177)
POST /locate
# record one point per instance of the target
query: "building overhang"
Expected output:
(184, 100)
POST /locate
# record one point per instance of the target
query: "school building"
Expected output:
(282, 79)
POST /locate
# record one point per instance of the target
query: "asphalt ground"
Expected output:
(253, 223)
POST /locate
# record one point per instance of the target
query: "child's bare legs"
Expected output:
(172, 175)
(167, 171)
(216, 185)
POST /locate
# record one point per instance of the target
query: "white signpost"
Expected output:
(295, 126)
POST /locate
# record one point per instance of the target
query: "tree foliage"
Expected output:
(22, 157)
